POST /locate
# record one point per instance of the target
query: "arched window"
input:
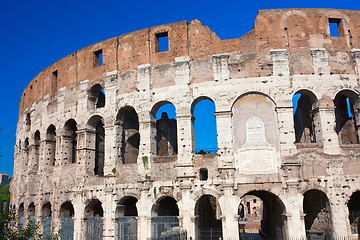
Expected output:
(346, 114)
(203, 111)
(96, 97)
(126, 221)
(36, 150)
(93, 221)
(97, 124)
(28, 122)
(166, 129)
(306, 117)
(70, 141)
(128, 140)
(67, 220)
(165, 216)
(46, 218)
(51, 145)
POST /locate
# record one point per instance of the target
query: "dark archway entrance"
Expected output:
(208, 221)
(267, 211)
(67, 221)
(165, 216)
(126, 219)
(317, 213)
(354, 212)
(93, 220)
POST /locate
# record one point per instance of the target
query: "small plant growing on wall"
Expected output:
(145, 160)
(113, 171)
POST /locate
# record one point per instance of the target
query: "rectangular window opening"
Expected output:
(54, 82)
(98, 58)
(162, 42)
(334, 25)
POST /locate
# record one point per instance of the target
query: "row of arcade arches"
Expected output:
(208, 216)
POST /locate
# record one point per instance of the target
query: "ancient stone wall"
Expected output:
(90, 149)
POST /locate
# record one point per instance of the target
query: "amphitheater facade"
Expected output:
(92, 158)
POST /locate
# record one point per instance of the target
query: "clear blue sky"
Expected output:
(35, 34)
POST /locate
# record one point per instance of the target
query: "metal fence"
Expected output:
(210, 234)
(67, 228)
(163, 224)
(126, 228)
(354, 217)
(32, 218)
(94, 228)
(47, 226)
(175, 234)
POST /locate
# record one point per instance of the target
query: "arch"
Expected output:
(249, 105)
(126, 221)
(165, 214)
(250, 213)
(96, 97)
(204, 132)
(94, 209)
(28, 122)
(70, 141)
(252, 93)
(126, 207)
(272, 223)
(128, 136)
(347, 105)
(93, 220)
(316, 208)
(31, 212)
(208, 217)
(306, 117)
(354, 212)
(51, 145)
(20, 214)
(46, 218)
(96, 124)
(67, 220)
(36, 151)
(67, 209)
(166, 129)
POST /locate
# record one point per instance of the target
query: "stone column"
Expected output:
(225, 139)
(330, 138)
(339, 214)
(144, 220)
(286, 129)
(280, 59)
(108, 222)
(356, 56)
(187, 210)
(185, 162)
(86, 151)
(79, 232)
(293, 201)
(220, 67)
(229, 204)
(320, 61)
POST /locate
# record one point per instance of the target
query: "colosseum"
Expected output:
(97, 155)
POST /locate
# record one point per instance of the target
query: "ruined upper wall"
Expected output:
(296, 30)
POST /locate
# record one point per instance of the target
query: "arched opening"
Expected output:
(354, 212)
(126, 218)
(166, 129)
(28, 122)
(306, 117)
(165, 214)
(208, 220)
(26, 153)
(97, 138)
(93, 220)
(31, 212)
(347, 107)
(51, 145)
(250, 213)
(67, 220)
(265, 211)
(316, 208)
(70, 141)
(20, 215)
(203, 111)
(128, 136)
(46, 218)
(96, 97)
(36, 150)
